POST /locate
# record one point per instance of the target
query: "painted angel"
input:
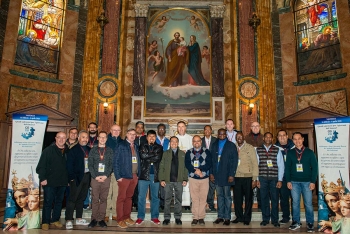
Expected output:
(152, 47)
(160, 23)
(314, 11)
(158, 64)
(195, 23)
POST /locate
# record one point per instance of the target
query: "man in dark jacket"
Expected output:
(224, 165)
(79, 180)
(126, 165)
(53, 176)
(151, 155)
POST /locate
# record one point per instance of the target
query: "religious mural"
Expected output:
(178, 64)
(39, 33)
(317, 36)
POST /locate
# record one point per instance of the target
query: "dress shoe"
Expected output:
(92, 224)
(264, 223)
(166, 221)
(178, 221)
(217, 221)
(276, 225)
(102, 223)
(194, 222)
(57, 224)
(122, 224)
(106, 219)
(201, 222)
(227, 222)
(129, 222)
(246, 222)
(235, 221)
(212, 209)
(114, 218)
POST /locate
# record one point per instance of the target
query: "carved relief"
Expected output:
(217, 11)
(141, 10)
(249, 89)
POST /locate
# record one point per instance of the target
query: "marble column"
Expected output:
(216, 20)
(139, 69)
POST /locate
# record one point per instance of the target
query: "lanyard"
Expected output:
(299, 155)
(267, 151)
(92, 143)
(101, 154)
(86, 153)
(230, 139)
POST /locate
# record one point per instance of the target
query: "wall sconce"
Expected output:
(250, 106)
(105, 106)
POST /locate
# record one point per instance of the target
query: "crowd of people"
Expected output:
(121, 171)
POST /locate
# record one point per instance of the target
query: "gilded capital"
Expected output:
(217, 11)
(141, 10)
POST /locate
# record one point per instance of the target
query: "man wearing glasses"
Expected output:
(254, 137)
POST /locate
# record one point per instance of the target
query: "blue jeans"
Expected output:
(143, 187)
(298, 189)
(223, 194)
(269, 191)
(52, 195)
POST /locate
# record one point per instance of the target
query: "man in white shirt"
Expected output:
(231, 131)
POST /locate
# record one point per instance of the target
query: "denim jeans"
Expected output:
(298, 189)
(268, 191)
(52, 195)
(154, 188)
(223, 194)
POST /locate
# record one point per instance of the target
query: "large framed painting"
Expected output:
(178, 71)
(39, 34)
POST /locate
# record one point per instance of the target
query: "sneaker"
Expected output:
(92, 224)
(129, 222)
(45, 227)
(155, 221)
(201, 222)
(310, 227)
(122, 224)
(283, 221)
(81, 222)
(194, 222)
(57, 224)
(139, 221)
(295, 226)
(69, 225)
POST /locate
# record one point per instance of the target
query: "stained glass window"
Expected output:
(316, 32)
(39, 34)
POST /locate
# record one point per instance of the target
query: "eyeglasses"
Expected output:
(255, 126)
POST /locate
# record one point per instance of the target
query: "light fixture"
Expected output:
(105, 106)
(250, 108)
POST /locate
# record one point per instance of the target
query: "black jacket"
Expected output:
(150, 154)
(75, 162)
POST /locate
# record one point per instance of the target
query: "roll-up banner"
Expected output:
(22, 209)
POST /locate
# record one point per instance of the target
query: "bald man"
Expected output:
(112, 142)
(53, 176)
(254, 138)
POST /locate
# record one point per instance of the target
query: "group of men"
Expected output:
(115, 167)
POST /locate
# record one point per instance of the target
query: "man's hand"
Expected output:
(279, 184)
(253, 184)
(184, 183)
(230, 179)
(103, 178)
(258, 184)
(289, 185)
(312, 186)
(211, 178)
(120, 180)
(162, 183)
(43, 183)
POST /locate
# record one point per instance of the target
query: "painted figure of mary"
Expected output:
(194, 66)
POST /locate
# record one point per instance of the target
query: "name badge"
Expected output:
(219, 157)
(299, 167)
(101, 167)
(239, 162)
(269, 163)
(134, 160)
(285, 158)
(86, 163)
(196, 163)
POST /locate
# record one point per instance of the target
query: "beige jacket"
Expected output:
(248, 162)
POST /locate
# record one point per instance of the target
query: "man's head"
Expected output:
(115, 130)
(222, 134)
(239, 138)
(298, 140)
(131, 135)
(161, 130)
(151, 137)
(83, 137)
(181, 128)
(61, 138)
(255, 127)
(73, 134)
(230, 125)
(174, 142)
(208, 131)
(177, 35)
(267, 138)
(282, 137)
(196, 142)
(92, 128)
(102, 138)
(139, 128)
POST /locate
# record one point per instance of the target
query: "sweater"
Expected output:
(52, 166)
(248, 163)
(165, 166)
(310, 167)
(205, 162)
(94, 161)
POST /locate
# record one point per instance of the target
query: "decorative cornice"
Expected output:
(217, 11)
(141, 10)
(177, 3)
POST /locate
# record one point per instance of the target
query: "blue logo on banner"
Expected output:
(29, 132)
(332, 136)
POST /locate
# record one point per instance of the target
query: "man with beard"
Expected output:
(79, 180)
(93, 141)
(112, 142)
(150, 155)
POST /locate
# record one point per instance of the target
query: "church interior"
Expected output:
(281, 63)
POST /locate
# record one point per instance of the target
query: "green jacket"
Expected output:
(165, 166)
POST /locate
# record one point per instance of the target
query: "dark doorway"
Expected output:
(49, 138)
(306, 140)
